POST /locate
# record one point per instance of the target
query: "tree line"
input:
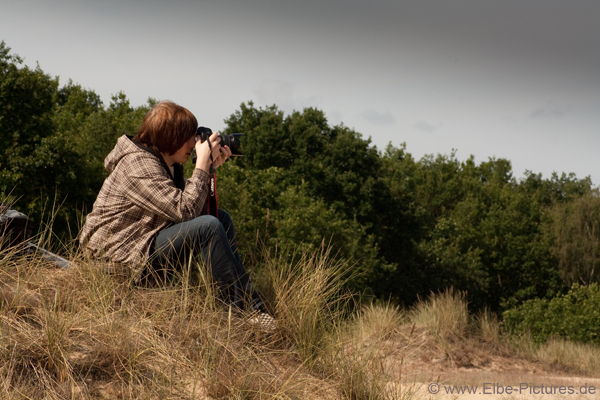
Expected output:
(409, 227)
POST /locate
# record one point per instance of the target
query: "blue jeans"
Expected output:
(214, 240)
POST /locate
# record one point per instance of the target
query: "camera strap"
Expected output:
(212, 207)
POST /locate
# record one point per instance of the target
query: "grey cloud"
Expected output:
(379, 118)
(308, 101)
(424, 127)
(334, 117)
(276, 92)
(551, 110)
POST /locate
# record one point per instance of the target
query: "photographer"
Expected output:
(148, 220)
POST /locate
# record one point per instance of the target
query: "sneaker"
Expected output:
(263, 321)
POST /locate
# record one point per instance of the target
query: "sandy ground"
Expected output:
(472, 369)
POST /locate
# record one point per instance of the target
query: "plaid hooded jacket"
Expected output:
(137, 200)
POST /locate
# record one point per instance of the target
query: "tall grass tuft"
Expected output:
(445, 314)
(487, 325)
(379, 320)
(306, 295)
(358, 355)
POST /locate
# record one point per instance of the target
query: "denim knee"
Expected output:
(207, 226)
(224, 216)
(206, 222)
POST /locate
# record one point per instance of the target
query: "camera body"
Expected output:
(233, 140)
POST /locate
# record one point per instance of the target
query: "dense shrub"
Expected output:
(574, 316)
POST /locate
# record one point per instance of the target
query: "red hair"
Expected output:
(166, 127)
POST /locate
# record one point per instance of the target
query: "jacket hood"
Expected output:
(124, 146)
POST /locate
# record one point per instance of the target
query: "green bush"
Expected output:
(574, 316)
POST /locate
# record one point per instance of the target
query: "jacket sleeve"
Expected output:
(147, 185)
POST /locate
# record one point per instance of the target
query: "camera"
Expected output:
(233, 140)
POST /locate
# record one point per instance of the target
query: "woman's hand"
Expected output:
(219, 154)
(224, 154)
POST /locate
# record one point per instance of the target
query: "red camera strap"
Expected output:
(212, 207)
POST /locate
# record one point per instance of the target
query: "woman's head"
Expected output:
(166, 127)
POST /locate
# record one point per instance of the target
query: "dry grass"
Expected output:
(585, 357)
(366, 354)
(487, 325)
(445, 315)
(81, 333)
(306, 297)
(476, 341)
(379, 320)
(580, 358)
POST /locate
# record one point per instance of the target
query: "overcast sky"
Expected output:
(515, 79)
